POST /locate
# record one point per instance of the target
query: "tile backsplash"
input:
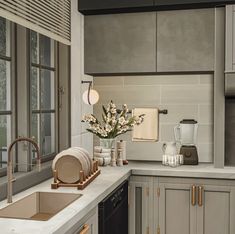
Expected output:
(185, 96)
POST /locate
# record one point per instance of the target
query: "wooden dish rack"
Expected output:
(82, 183)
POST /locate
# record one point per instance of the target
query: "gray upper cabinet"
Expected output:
(185, 40)
(230, 39)
(120, 43)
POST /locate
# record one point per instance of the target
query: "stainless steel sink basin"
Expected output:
(39, 206)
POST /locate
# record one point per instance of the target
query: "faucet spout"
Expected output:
(10, 163)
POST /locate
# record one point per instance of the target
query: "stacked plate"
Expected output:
(70, 162)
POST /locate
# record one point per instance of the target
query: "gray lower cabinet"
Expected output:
(166, 205)
(87, 224)
(176, 213)
(140, 205)
(185, 40)
(120, 43)
(196, 206)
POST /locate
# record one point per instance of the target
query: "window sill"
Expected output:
(26, 180)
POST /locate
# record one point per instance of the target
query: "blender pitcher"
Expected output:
(186, 132)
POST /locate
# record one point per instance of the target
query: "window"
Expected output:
(43, 83)
(5, 91)
(29, 101)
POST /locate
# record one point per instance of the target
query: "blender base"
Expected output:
(190, 154)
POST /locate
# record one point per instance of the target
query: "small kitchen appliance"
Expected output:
(186, 135)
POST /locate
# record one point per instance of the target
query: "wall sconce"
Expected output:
(90, 96)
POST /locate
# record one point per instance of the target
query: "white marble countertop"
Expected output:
(104, 184)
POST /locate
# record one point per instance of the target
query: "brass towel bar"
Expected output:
(164, 112)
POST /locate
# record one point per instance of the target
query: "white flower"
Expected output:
(108, 128)
(121, 121)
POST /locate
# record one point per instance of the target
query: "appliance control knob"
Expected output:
(188, 154)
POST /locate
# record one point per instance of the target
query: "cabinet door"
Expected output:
(140, 205)
(120, 43)
(90, 224)
(185, 40)
(176, 213)
(216, 213)
(230, 39)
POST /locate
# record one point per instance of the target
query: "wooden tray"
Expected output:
(82, 183)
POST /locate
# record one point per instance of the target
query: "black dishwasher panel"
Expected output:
(113, 212)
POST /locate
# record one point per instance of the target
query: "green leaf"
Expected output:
(104, 110)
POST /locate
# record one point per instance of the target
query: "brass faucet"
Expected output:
(10, 164)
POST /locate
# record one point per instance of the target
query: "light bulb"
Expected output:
(93, 96)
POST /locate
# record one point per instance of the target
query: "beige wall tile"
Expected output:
(200, 94)
(167, 132)
(151, 151)
(185, 96)
(162, 80)
(109, 81)
(206, 114)
(129, 94)
(205, 134)
(205, 152)
(178, 112)
(207, 79)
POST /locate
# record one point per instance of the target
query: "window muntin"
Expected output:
(42, 98)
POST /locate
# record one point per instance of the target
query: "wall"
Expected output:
(185, 96)
(79, 135)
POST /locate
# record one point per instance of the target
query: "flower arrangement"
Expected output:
(113, 123)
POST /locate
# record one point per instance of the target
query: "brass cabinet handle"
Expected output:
(200, 196)
(193, 195)
(85, 229)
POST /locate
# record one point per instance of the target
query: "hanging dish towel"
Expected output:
(148, 130)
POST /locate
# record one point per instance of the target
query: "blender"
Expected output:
(186, 135)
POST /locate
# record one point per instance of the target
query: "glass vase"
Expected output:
(107, 143)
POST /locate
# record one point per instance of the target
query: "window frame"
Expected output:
(39, 66)
(12, 59)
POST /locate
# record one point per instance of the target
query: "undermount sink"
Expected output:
(39, 206)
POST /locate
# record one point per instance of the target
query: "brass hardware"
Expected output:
(147, 230)
(200, 191)
(85, 229)
(61, 92)
(158, 230)
(193, 195)
(147, 192)
(158, 192)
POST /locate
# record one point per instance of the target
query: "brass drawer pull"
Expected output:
(85, 229)
(193, 195)
(200, 196)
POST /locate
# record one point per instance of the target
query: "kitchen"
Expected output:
(171, 55)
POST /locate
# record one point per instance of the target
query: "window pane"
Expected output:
(4, 37)
(47, 90)
(34, 47)
(46, 51)
(5, 137)
(5, 85)
(35, 126)
(34, 88)
(47, 133)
